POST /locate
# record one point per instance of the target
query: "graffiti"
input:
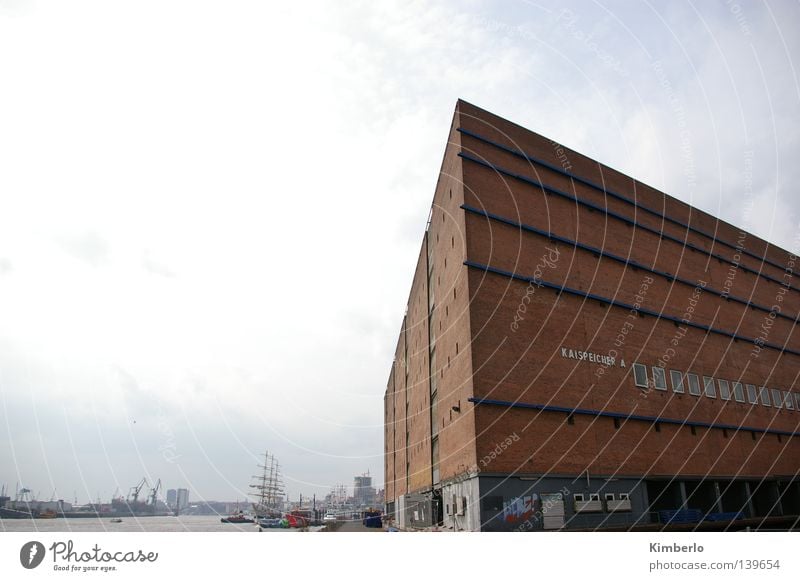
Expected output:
(520, 508)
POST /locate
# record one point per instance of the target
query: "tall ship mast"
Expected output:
(268, 488)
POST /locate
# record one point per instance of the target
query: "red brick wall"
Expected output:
(483, 350)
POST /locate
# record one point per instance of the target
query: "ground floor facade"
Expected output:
(497, 502)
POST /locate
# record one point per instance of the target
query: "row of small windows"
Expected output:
(727, 389)
(594, 497)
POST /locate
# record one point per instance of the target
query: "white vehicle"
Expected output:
(330, 517)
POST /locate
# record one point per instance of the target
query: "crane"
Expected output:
(154, 493)
(134, 496)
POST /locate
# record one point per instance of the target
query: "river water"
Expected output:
(132, 524)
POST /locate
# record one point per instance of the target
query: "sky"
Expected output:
(210, 212)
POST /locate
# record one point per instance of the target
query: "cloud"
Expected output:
(89, 247)
(155, 267)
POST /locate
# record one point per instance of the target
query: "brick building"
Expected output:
(580, 350)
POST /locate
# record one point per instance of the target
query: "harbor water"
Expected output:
(133, 524)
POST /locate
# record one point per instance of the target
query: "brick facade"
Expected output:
(524, 261)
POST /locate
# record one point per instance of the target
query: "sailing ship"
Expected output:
(268, 488)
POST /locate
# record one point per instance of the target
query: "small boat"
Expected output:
(297, 520)
(115, 520)
(239, 518)
(272, 523)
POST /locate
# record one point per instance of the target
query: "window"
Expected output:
(616, 423)
(659, 378)
(578, 497)
(777, 400)
(797, 401)
(752, 396)
(435, 415)
(640, 375)
(694, 430)
(787, 400)
(764, 393)
(623, 496)
(724, 389)
(694, 383)
(435, 459)
(710, 387)
(609, 496)
(738, 391)
(677, 380)
(595, 497)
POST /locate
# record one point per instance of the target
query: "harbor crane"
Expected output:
(134, 495)
(154, 493)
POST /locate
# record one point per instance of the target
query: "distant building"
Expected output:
(363, 491)
(172, 498)
(182, 500)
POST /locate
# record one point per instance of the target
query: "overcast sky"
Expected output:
(210, 211)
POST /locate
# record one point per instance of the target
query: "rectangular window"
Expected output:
(752, 396)
(640, 375)
(694, 383)
(724, 389)
(595, 497)
(797, 401)
(764, 393)
(777, 400)
(609, 496)
(788, 400)
(578, 497)
(435, 414)
(659, 378)
(623, 496)
(710, 387)
(738, 391)
(677, 380)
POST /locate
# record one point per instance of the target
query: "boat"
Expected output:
(18, 508)
(269, 489)
(115, 520)
(239, 518)
(273, 523)
(14, 513)
(298, 519)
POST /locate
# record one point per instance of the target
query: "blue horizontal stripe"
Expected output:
(633, 263)
(557, 192)
(626, 306)
(613, 194)
(621, 416)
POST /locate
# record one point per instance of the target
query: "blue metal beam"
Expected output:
(620, 217)
(613, 194)
(625, 261)
(626, 306)
(622, 416)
